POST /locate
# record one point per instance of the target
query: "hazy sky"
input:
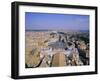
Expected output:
(47, 21)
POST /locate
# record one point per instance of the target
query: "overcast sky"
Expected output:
(47, 21)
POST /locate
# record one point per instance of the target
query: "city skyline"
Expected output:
(48, 21)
